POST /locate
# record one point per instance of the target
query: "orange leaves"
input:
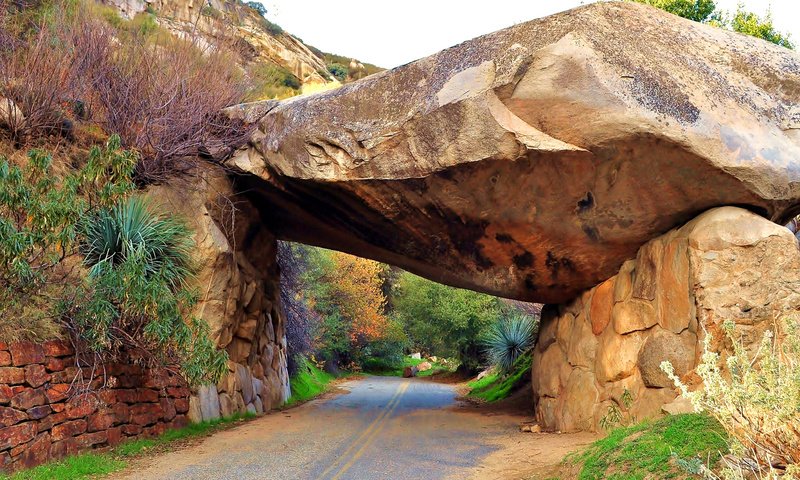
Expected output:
(357, 285)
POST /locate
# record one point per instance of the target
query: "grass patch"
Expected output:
(646, 450)
(377, 366)
(380, 367)
(92, 464)
(494, 387)
(308, 383)
(79, 466)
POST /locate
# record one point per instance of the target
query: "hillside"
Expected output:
(284, 65)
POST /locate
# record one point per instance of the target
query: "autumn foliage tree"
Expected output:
(346, 296)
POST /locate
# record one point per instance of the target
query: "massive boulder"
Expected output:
(532, 162)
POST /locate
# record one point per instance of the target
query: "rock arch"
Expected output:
(533, 163)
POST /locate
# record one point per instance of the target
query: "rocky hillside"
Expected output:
(245, 30)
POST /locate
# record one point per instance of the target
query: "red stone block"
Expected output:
(145, 414)
(49, 421)
(3, 346)
(37, 452)
(168, 410)
(68, 429)
(130, 381)
(28, 398)
(131, 429)
(36, 375)
(5, 359)
(56, 364)
(155, 430)
(155, 380)
(127, 396)
(89, 439)
(63, 448)
(179, 421)
(81, 406)
(12, 375)
(181, 405)
(145, 395)
(10, 416)
(122, 413)
(26, 353)
(107, 396)
(57, 348)
(114, 436)
(100, 421)
(17, 434)
(67, 375)
(39, 412)
(59, 407)
(178, 392)
(5, 394)
(57, 392)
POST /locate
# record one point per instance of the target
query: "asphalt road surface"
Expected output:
(380, 428)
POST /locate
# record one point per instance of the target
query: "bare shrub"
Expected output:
(35, 76)
(165, 98)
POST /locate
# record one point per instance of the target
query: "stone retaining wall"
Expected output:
(45, 413)
(239, 286)
(727, 264)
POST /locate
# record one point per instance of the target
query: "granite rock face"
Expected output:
(238, 282)
(727, 264)
(532, 162)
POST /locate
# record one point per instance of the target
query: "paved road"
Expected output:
(382, 428)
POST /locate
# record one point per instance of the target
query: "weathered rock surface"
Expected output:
(239, 291)
(727, 264)
(532, 162)
(225, 18)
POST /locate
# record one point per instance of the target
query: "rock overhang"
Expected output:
(531, 162)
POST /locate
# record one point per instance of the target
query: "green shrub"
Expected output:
(40, 215)
(269, 81)
(509, 338)
(339, 71)
(756, 398)
(135, 296)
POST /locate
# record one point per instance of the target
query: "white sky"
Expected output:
(389, 34)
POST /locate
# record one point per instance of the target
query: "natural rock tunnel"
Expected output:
(530, 163)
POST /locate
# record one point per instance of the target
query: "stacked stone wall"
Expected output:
(727, 264)
(50, 408)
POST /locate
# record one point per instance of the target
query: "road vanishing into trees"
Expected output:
(378, 428)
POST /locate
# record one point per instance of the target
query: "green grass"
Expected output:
(79, 466)
(382, 368)
(308, 382)
(645, 450)
(91, 464)
(494, 387)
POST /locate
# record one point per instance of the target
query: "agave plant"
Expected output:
(131, 228)
(510, 338)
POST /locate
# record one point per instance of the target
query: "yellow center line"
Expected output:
(386, 410)
(369, 439)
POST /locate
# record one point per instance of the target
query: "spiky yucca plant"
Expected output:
(138, 295)
(509, 338)
(132, 228)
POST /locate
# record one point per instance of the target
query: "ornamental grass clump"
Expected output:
(508, 339)
(756, 398)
